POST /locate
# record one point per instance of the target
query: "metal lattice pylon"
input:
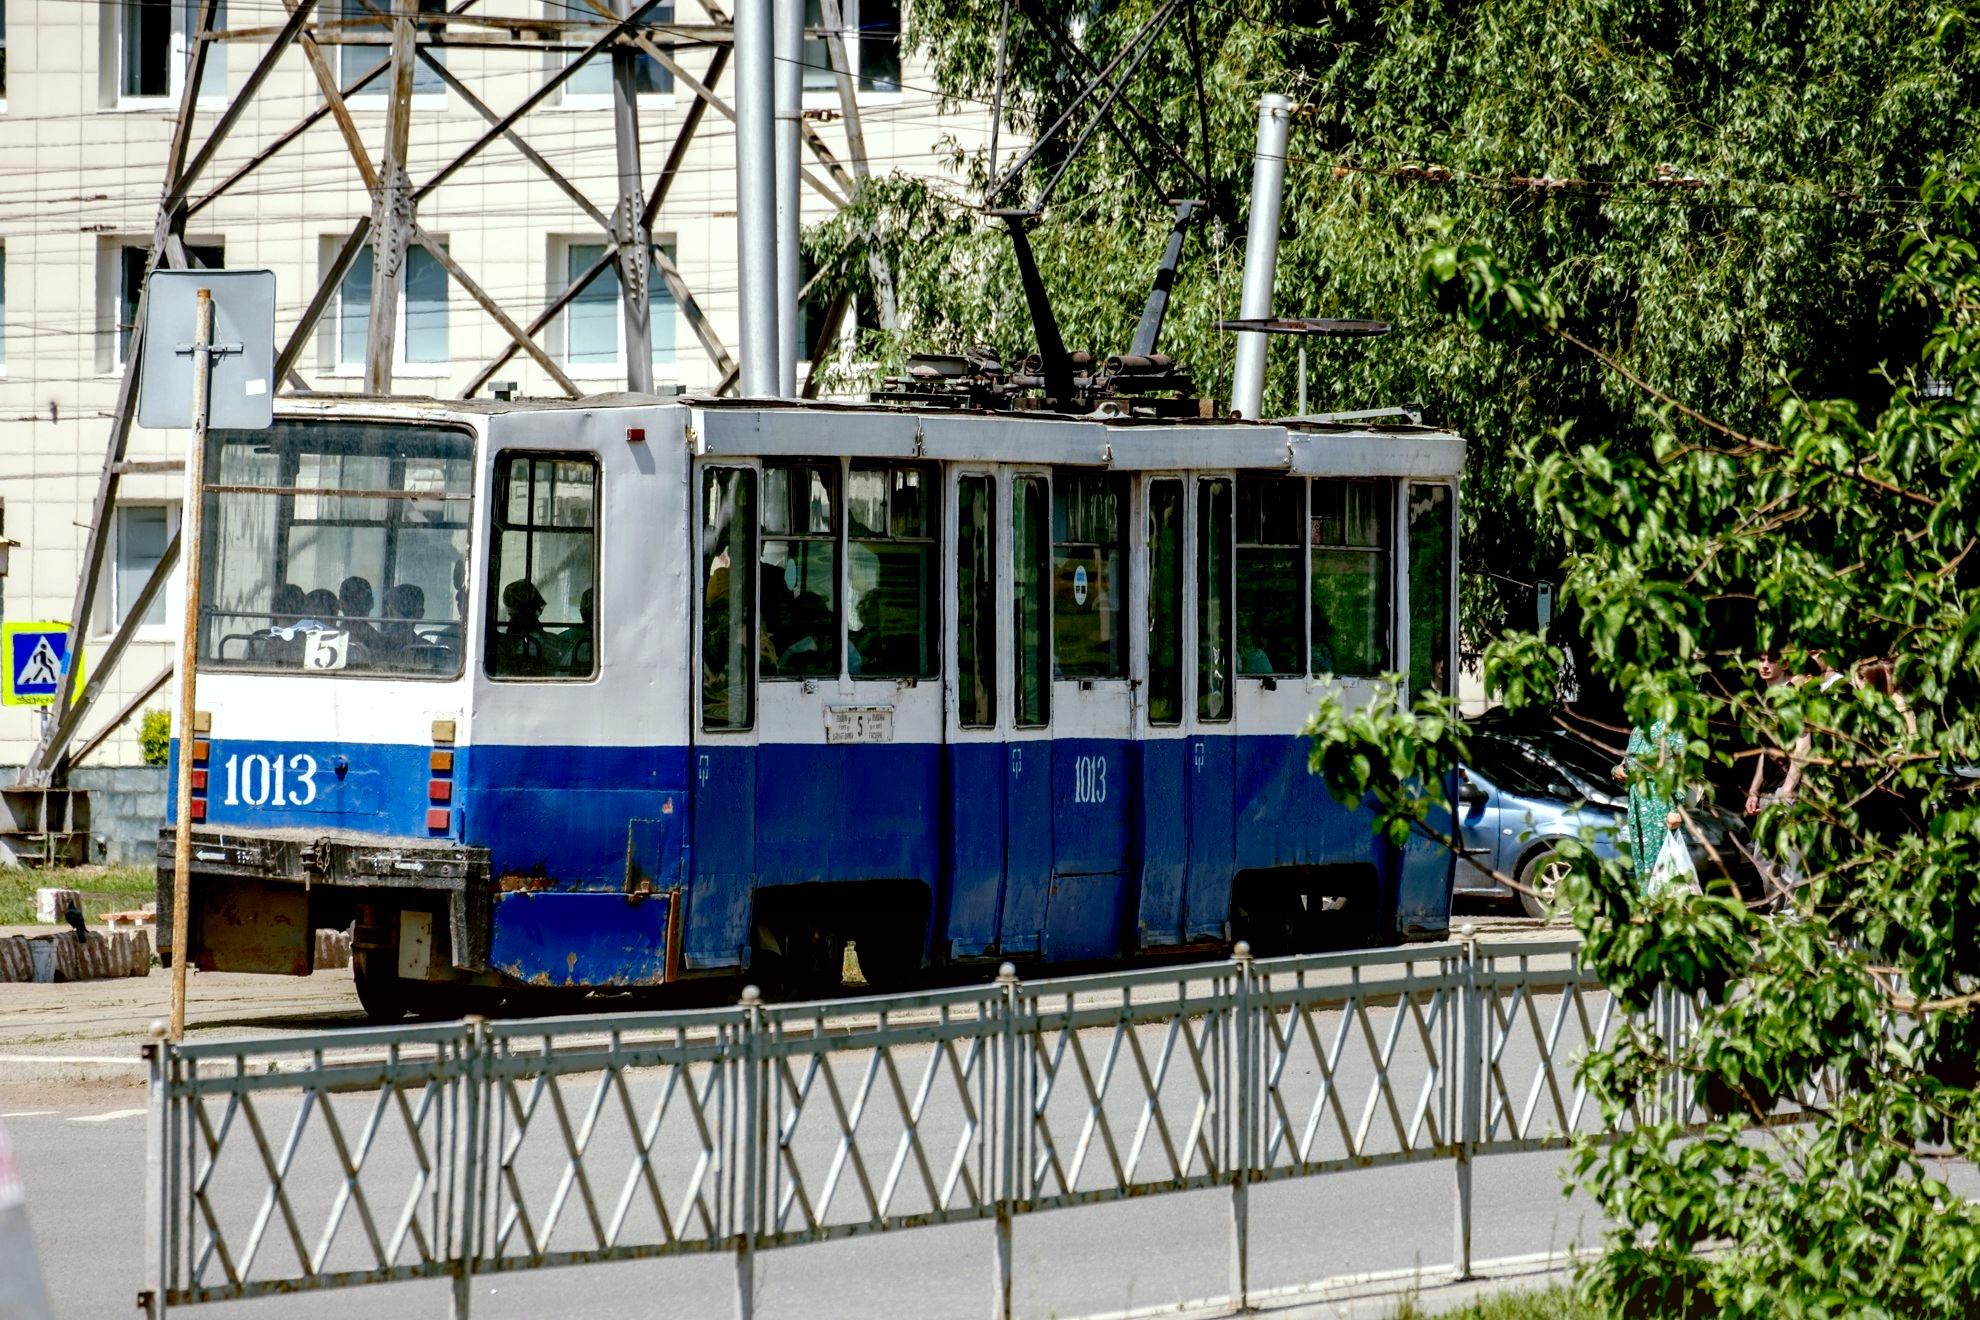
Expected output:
(624, 31)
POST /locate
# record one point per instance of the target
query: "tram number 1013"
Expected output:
(270, 781)
(1089, 779)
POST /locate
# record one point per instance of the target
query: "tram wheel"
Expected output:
(379, 987)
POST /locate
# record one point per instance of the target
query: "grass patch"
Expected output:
(103, 888)
(1522, 1304)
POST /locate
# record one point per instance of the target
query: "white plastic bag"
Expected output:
(1674, 869)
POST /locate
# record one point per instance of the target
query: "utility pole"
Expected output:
(635, 241)
(756, 197)
(391, 209)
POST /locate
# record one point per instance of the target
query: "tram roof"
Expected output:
(1310, 446)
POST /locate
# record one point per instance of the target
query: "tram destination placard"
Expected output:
(859, 724)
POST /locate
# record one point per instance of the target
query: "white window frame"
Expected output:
(110, 292)
(108, 615)
(560, 279)
(330, 326)
(373, 95)
(566, 99)
(827, 97)
(185, 14)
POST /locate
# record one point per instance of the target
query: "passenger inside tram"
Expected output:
(355, 601)
(522, 647)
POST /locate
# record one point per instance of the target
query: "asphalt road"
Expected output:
(81, 1153)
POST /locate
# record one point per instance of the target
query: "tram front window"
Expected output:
(336, 546)
(799, 571)
(891, 569)
(1089, 580)
(1349, 533)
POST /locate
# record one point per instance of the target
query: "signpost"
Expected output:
(224, 321)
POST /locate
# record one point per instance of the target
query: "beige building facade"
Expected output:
(92, 89)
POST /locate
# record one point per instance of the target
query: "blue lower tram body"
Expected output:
(590, 866)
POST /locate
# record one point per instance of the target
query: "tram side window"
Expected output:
(1270, 630)
(1165, 602)
(1031, 569)
(1430, 537)
(892, 571)
(1213, 600)
(1089, 577)
(976, 602)
(1349, 533)
(799, 573)
(543, 568)
(728, 607)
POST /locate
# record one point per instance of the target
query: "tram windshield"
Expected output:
(336, 546)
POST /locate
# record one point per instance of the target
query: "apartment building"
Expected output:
(91, 90)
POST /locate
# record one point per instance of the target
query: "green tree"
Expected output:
(1737, 180)
(1849, 527)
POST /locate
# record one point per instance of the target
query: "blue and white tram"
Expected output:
(624, 691)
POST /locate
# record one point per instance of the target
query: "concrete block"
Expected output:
(51, 905)
(333, 949)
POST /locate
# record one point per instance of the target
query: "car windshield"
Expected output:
(335, 546)
(1582, 760)
(1514, 770)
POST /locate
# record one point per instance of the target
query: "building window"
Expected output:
(131, 260)
(154, 48)
(360, 59)
(594, 325)
(1349, 536)
(591, 85)
(422, 328)
(891, 571)
(1271, 625)
(799, 571)
(3, 53)
(873, 45)
(138, 538)
(1089, 575)
(544, 567)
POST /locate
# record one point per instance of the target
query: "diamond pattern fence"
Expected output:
(443, 1152)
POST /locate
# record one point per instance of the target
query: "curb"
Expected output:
(18, 1068)
(1431, 1288)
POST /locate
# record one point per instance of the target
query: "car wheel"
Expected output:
(1540, 885)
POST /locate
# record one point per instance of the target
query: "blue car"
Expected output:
(1529, 786)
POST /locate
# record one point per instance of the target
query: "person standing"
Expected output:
(1652, 809)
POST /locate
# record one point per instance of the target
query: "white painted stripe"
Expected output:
(108, 1117)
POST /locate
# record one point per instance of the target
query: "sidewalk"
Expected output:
(91, 1030)
(1379, 1296)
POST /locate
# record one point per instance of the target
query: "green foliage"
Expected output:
(1848, 527)
(1808, 128)
(155, 736)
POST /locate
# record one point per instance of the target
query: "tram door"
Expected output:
(976, 761)
(1094, 540)
(1162, 748)
(723, 763)
(1026, 676)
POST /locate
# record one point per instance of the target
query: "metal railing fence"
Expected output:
(455, 1150)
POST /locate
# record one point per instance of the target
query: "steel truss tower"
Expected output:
(416, 33)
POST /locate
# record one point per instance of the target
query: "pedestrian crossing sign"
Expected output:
(35, 656)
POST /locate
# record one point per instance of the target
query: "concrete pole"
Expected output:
(392, 208)
(635, 245)
(790, 108)
(1261, 250)
(756, 199)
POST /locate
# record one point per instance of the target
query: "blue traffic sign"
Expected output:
(35, 654)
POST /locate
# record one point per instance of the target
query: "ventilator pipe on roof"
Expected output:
(1261, 250)
(756, 198)
(790, 109)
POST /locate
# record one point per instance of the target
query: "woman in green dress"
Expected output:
(1652, 812)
